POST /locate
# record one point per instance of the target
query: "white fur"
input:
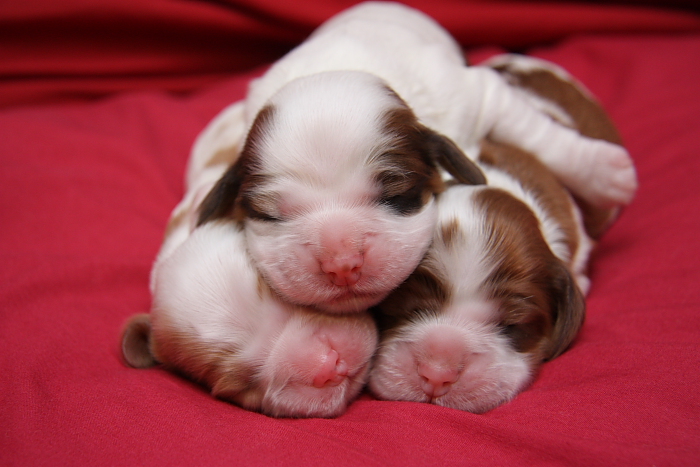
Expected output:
(299, 363)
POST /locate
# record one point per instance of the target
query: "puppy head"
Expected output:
(488, 304)
(335, 187)
(317, 365)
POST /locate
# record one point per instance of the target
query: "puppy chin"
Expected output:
(350, 302)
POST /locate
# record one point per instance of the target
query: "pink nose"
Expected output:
(332, 371)
(343, 270)
(436, 381)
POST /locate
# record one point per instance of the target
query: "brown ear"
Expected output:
(569, 307)
(136, 339)
(222, 198)
(446, 153)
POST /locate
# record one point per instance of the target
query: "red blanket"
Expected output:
(99, 104)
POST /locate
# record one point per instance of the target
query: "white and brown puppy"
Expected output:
(345, 137)
(214, 320)
(502, 287)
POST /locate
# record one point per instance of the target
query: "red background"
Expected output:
(99, 104)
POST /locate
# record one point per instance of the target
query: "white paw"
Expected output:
(605, 177)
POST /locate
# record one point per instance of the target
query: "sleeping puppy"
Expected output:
(502, 287)
(345, 138)
(214, 320)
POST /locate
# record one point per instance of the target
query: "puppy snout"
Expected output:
(332, 371)
(436, 380)
(343, 270)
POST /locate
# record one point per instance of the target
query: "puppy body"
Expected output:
(344, 138)
(215, 321)
(501, 288)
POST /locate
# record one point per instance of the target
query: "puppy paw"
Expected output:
(605, 176)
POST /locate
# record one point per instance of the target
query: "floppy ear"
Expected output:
(136, 339)
(569, 308)
(446, 153)
(222, 198)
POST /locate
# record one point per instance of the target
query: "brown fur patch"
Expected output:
(589, 117)
(225, 156)
(423, 293)
(218, 367)
(136, 338)
(230, 196)
(536, 178)
(448, 232)
(541, 312)
(407, 173)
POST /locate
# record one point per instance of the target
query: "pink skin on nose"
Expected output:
(441, 358)
(343, 270)
(332, 371)
(437, 380)
(341, 257)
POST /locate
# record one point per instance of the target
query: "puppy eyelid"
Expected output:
(264, 209)
(263, 217)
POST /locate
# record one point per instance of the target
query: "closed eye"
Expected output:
(257, 215)
(262, 208)
(405, 203)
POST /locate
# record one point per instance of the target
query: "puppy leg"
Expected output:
(597, 171)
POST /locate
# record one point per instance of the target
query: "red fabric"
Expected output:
(89, 48)
(86, 187)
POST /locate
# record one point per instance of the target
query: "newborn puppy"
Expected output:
(345, 138)
(502, 287)
(214, 320)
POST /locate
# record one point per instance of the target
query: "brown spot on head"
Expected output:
(539, 181)
(541, 306)
(408, 172)
(424, 293)
(449, 232)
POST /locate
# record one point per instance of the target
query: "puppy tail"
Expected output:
(136, 339)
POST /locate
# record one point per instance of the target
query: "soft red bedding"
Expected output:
(99, 104)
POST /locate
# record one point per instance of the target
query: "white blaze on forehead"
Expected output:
(326, 127)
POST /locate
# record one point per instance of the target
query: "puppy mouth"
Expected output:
(352, 300)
